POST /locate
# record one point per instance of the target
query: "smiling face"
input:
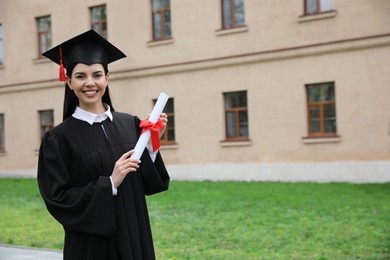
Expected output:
(89, 83)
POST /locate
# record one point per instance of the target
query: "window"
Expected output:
(318, 6)
(169, 135)
(1, 45)
(44, 34)
(46, 121)
(236, 116)
(99, 20)
(161, 16)
(232, 13)
(2, 134)
(321, 107)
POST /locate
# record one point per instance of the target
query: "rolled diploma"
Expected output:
(144, 138)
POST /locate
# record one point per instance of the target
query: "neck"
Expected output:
(98, 108)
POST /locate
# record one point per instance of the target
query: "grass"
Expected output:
(233, 220)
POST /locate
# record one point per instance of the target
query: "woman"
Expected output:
(85, 176)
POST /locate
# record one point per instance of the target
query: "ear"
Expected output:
(69, 81)
(107, 76)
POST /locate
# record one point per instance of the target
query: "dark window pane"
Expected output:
(311, 6)
(315, 120)
(104, 30)
(315, 113)
(315, 126)
(242, 99)
(329, 111)
(231, 124)
(165, 3)
(330, 118)
(330, 126)
(167, 23)
(44, 24)
(235, 100)
(46, 117)
(44, 34)
(46, 120)
(156, 4)
(99, 20)
(171, 134)
(49, 39)
(169, 106)
(243, 117)
(239, 8)
(42, 43)
(227, 13)
(321, 92)
(157, 25)
(95, 27)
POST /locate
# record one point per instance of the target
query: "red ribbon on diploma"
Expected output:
(147, 125)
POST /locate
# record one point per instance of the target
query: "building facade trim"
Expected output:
(363, 42)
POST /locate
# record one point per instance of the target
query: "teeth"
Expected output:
(90, 92)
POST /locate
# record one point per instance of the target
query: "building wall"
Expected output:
(272, 58)
(277, 108)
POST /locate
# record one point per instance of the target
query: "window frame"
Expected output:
(43, 127)
(233, 16)
(2, 133)
(170, 125)
(99, 22)
(320, 105)
(48, 41)
(318, 11)
(162, 23)
(237, 111)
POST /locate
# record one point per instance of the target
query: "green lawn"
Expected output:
(233, 220)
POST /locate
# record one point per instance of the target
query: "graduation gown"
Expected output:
(75, 162)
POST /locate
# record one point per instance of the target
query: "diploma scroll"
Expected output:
(144, 138)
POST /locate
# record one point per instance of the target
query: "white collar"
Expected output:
(91, 118)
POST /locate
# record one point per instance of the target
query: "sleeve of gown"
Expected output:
(154, 175)
(88, 209)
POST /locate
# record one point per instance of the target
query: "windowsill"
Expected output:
(172, 146)
(319, 16)
(40, 60)
(318, 140)
(232, 30)
(228, 143)
(160, 42)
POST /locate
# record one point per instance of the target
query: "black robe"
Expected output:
(75, 162)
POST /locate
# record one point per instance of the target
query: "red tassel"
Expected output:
(62, 70)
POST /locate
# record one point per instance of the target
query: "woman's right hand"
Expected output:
(123, 166)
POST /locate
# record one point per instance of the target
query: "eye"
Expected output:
(79, 76)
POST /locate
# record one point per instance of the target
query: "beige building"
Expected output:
(273, 90)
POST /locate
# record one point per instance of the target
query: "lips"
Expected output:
(90, 92)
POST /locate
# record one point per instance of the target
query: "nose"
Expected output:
(89, 82)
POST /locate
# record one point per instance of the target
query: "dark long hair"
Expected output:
(71, 101)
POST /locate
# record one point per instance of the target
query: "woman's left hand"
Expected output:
(164, 118)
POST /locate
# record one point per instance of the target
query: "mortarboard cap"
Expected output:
(87, 48)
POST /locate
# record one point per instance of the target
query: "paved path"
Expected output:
(27, 253)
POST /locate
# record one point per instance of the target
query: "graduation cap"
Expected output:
(87, 48)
